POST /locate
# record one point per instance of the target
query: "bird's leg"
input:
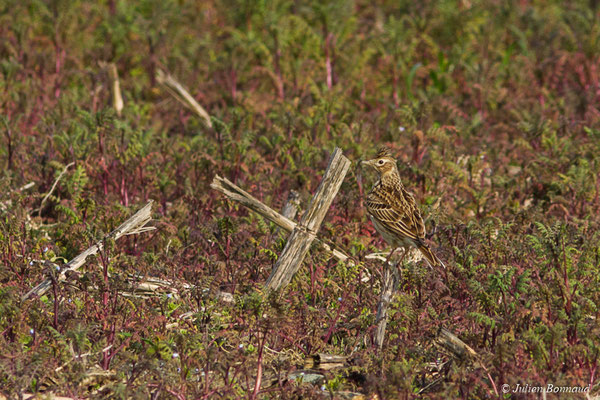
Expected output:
(389, 257)
(399, 263)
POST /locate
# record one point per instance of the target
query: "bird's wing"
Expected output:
(398, 214)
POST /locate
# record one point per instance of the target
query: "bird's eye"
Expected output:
(380, 162)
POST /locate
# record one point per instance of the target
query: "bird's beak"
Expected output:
(367, 163)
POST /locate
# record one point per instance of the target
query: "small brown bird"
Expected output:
(393, 210)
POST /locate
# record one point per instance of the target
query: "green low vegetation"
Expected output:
(491, 107)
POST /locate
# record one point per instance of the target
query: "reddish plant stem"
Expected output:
(259, 368)
(395, 95)
(289, 339)
(277, 67)
(55, 292)
(328, 61)
(233, 83)
(333, 323)
(9, 147)
(59, 56)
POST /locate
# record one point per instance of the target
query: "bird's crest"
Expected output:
(384, 152)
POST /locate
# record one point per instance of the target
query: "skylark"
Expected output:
(393, 210)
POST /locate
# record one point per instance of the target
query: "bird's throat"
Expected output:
(390, 179)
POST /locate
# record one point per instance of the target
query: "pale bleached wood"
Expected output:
(113, 75)
(183, 96)
(389, 287)
(459, 349)
(116, 88)
(324, 361)
(294, 251)
(134, 225)
(235, 193)
(462, 351)
(305, 232)
(47, 395)
(4, 205)
(63, 172)
(389, 281)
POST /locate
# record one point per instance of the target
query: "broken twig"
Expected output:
(64, 171)
(182, 95)
(461, 351)
(134, 225)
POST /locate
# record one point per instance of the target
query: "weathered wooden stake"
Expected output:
(305, 232)
(389, 287)
(134, 225)
(389, 281)
(234, 192)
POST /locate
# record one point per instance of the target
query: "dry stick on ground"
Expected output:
(7, 203)
(116, 88)
(461, 351)
(235, 193)
(182, 95)
(26, 186)
(64, 171)
(31, 396)
(324, 361)
(133, 226)
(450, 342)
(305, 231)
(149, 286)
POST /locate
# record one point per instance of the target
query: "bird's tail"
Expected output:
(432, 259)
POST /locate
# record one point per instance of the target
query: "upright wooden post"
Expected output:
(389, 287)
(389, 282)
(305, 231)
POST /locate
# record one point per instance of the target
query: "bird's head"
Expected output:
(383, 162)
